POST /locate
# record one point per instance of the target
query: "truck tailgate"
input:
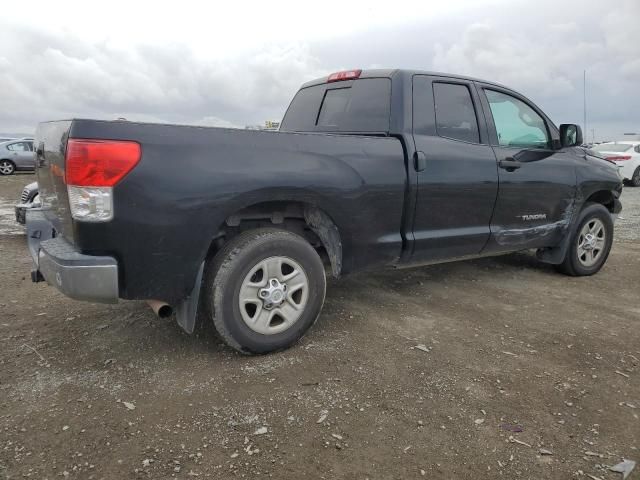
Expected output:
(50, 144)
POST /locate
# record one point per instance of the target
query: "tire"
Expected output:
(245, 268)
(7, 167)
(590, 242)
(635, 178)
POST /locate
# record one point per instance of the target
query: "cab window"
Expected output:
(455, 114)
(359, 106)
(517, 124)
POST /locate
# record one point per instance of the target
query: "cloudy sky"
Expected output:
(240, 63)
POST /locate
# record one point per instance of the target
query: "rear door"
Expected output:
(22, 154)
(456, 170)
(537, 177)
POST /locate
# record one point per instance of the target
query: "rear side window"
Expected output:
(18, 147)
(455, 114)
(359, 106)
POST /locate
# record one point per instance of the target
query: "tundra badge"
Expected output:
(534, 216)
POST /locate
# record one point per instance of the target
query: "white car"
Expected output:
(626, 155)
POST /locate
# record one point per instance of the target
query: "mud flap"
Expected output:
(328, 233)
(555, 255)
(187, 309)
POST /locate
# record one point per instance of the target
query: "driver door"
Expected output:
(537, 179)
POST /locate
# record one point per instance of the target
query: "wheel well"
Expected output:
(302, 218)
(603, 197)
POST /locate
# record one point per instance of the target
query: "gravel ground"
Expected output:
(628, 223)
(496, 368)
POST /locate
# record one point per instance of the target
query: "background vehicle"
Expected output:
(29, 198)
(16, 155)
(360, 176)
(626, 155)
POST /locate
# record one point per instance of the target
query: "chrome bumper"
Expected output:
(83, 277)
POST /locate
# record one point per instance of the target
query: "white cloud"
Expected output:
(49, 76)
(240, 63)
(515, 59)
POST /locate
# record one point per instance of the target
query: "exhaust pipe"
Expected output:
(160, 308)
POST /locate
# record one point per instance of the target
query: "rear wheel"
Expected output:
(635, 178)
(7, 167)
(264, 290)
(591, 242)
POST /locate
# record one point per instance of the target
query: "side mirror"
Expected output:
(570, 135)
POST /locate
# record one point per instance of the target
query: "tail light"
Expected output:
(619, 158)
(345, 75)
(92, 169)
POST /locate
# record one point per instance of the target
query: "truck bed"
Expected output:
(190, 180)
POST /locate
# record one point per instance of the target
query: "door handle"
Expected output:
(509, 164)
(419, 161)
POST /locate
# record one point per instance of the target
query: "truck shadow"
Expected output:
(130, 329)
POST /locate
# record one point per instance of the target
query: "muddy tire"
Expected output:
(263, 290)
(590, 242)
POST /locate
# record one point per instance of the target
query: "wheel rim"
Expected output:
(6, 168)
(591, 242)
(273, 295)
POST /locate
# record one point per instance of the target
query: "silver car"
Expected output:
(16, 155)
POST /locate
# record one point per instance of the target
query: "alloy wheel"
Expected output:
(6, 167)
(273, 295)
(591, 242)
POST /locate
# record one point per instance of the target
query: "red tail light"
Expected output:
(619, 158)
(99, 163)
(346, 75)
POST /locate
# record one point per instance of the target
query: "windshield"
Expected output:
(612, 147)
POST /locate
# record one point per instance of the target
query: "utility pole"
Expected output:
(584, 98)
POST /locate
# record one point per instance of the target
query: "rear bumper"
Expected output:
(82, 277)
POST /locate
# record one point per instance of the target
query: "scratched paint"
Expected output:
(517, 236)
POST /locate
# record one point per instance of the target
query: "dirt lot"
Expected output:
(516, 359)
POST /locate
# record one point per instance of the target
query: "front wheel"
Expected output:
(264, 289)
(590, 243)
(7, 167)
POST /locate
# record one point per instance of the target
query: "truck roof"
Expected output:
(391, 72)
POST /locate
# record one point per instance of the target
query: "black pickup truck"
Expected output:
(370, 169)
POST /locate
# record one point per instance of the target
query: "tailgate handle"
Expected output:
(419, 161)
(509, 164)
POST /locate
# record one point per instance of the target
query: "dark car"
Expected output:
(370, 169)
